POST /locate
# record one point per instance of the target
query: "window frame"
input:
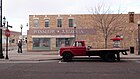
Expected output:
(59, 22)
(71, 24)
(48, 23)
(35, 22)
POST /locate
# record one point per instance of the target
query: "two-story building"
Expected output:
(50, 32)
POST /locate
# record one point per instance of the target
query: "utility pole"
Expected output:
(1, 50)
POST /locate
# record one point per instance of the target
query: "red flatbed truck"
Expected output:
(79, 49)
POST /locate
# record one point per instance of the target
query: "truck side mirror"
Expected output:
(89, 47)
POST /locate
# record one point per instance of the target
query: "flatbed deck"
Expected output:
(114, 49)
(111, 50)
(104, 53)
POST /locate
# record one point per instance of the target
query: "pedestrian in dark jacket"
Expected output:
(19, 47)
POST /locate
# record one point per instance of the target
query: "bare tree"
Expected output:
(107, 22)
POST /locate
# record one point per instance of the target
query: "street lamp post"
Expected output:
(74, 32)
(7, 44)
(4, 22)
(21, 26)
(138, 37)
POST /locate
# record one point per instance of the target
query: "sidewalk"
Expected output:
(31, 56)
(45, 56)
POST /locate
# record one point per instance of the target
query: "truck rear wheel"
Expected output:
(110, 57)
(67, 57)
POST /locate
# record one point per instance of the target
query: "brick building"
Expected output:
(50, 32)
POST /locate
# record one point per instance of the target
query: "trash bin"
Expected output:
(132, 50)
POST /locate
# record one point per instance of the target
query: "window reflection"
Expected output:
(36, 22)
(63, 42)
(41, 42)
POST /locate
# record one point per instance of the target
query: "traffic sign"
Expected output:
(7, 33)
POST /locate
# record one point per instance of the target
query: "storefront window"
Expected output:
(41, 43)
(63, 42)
(12, 40)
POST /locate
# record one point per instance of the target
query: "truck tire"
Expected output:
(102, 57)
(110, 57)
(67, 57)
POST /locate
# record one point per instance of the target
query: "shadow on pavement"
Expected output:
(92, 59)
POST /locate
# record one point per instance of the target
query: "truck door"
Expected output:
(79, 49)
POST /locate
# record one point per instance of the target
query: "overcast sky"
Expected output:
(17, 11)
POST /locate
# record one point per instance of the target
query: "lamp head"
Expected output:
(21, 26)
(74, 25)
(4, 20)
(27, 24)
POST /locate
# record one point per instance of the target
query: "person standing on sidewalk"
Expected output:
(19, 47)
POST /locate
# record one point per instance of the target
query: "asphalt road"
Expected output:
(78, 69)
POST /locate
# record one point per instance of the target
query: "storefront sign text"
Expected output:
(61, 31)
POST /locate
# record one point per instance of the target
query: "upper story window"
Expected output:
(71, 23)
(36, 22)
(47, 22)
(59, 22)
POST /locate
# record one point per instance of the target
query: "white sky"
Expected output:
(17, 11)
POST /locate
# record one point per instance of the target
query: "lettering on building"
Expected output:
(61, 31)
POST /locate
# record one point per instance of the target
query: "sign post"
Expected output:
(7, 33)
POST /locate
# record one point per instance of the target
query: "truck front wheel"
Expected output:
(67, 57)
